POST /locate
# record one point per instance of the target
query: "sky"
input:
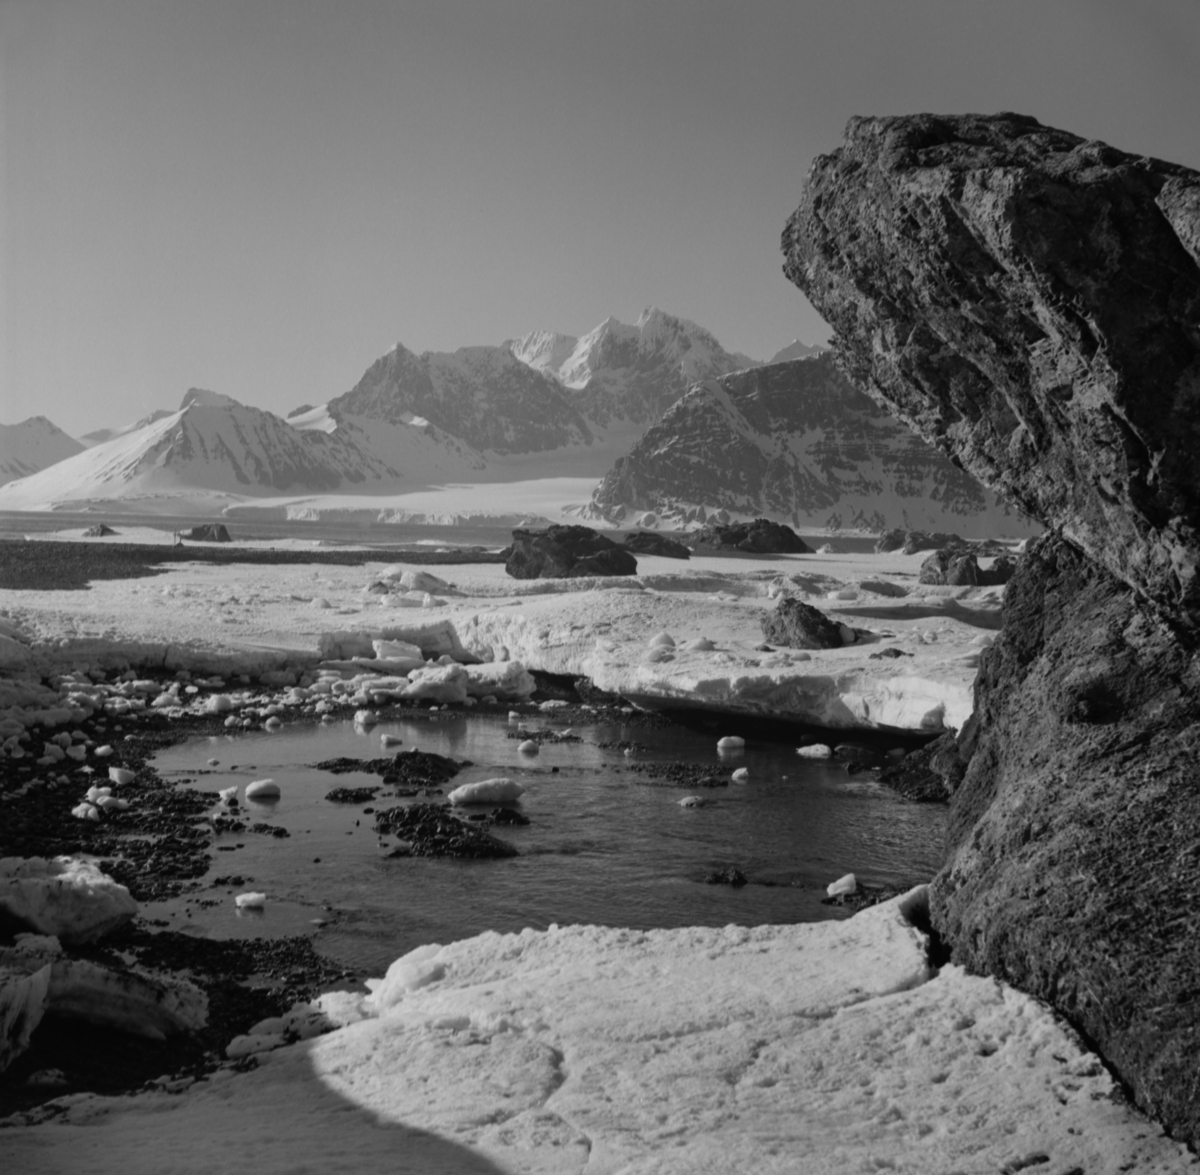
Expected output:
(263, 196)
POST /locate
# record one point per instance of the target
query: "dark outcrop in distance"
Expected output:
(760, 537)
(1030, 302)
(566, 552)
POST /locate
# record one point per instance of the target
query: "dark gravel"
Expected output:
(52, 565)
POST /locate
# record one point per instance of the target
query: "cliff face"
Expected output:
(1030, 302)
(795, 441)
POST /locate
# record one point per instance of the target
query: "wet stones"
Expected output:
(428, 830)
(351, 795)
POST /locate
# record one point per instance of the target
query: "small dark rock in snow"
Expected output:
(801, 626)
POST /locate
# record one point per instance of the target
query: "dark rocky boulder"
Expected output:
(959, 567)
(798, 625)
(566, 552)
(209, 532)
(99, 531)
(647, 542)
(760, 537)
(1074, 846)
(1029, 301)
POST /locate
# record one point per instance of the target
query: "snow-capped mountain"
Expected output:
(550, 400)
(795, 441)
(32, 445)
(625, 377)
(483, 396)
(214, 448)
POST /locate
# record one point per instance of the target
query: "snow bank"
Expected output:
(673, 1051)
(66, 897)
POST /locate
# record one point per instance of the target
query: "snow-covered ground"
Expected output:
(248, 617)
(813, 1048)
(824, 1048)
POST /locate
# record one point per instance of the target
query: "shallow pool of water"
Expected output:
(604, 844)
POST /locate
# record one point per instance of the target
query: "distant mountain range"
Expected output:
(673, 423)
(32, 445)
(794, 441)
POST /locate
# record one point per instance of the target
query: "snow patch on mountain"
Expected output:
(33, 445)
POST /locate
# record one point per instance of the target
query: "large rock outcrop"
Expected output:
(1030, 302)
(566, 552)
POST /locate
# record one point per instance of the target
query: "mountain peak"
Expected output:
(202, 398)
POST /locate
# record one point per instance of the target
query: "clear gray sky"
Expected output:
(261, 196)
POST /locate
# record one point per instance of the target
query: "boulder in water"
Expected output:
(209, 532)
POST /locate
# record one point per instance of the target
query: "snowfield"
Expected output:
(824, 1048)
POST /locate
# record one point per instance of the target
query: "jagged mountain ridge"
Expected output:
(484, 396)
(795, 441)
(546, 391)
(32, 445)
(215, 445)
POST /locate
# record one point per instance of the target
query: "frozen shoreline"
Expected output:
(827, 1045)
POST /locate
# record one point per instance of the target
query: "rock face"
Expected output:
(565, 552)
(1030, 301)
(795, 441)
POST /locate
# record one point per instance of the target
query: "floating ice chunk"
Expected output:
(273, 723)
(228, 793)
(983, 640)
(391, 740)
(214, 762)
(232, 720)
(514, 716)
(741, 775)
(365, 717)
(528, 747)
(843, 594)
(111, 804)
(120, 775)
(262, 789)
(487, 791)
(218, 704)
(700, 645)
(694, 802)
(731, 742)
(663, 640)
(252, 901)
(847, 884)
(250, 1044)
(77, 752)
(85, 811)
(816, 751)
(95, 793)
